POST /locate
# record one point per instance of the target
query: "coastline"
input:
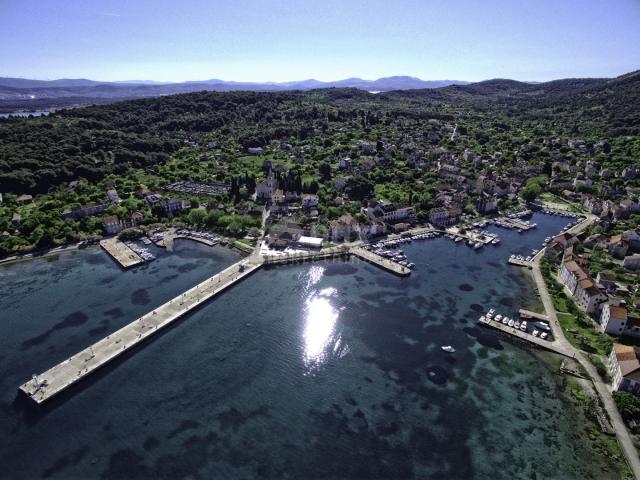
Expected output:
(42, 253)
(603, 390)
(267, 285)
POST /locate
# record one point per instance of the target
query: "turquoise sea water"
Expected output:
(323, 370)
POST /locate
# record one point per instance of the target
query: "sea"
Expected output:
(321, 370)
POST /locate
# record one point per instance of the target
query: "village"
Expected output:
(284, 203)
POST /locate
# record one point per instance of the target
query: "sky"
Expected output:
(285, 40)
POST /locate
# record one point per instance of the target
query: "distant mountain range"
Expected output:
(19, 94)
(25, 93)
(381, 84)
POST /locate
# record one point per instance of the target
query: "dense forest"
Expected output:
(346, 146)
(38, 153)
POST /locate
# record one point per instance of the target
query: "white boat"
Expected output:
(511, 323)
(543, 326)
(516, 324)
(543, 335)
(498, 317)
(523, 325)
(535, 333)
(448, 348)
(505, 320)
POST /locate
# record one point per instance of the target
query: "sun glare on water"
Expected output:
(321, 340)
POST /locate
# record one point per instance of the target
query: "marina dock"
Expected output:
(121, 253)
(384, 263)
(67, 373)
(513, 223)
(552, 346)
(519, 263)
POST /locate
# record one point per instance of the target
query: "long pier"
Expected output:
(47, 385)
(60, 377)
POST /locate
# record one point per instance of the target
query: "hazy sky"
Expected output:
(251, 40)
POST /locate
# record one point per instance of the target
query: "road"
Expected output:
(40, 253)
(622, 434)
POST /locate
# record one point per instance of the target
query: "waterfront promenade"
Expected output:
(343, 251)
(603, 390)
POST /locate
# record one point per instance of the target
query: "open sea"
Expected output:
(322, 370)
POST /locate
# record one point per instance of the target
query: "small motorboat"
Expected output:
(448, 348)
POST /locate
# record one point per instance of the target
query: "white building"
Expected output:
(613, 320)
(310, 242)
(570, 274)
(624, 366)
(589, 297)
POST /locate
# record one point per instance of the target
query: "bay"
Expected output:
(322, 370)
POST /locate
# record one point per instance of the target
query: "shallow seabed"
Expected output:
(324, 370)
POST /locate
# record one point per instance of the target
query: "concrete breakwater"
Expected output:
(42, 387)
